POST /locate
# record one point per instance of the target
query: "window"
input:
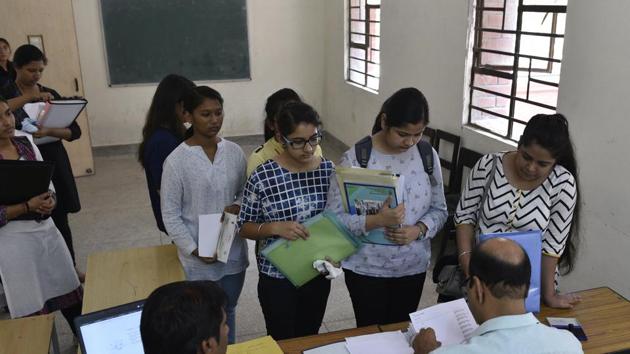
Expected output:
(364, 43)
(516, 60)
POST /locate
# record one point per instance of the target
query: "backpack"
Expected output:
(363, 149)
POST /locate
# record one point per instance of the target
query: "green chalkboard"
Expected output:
(200, 39)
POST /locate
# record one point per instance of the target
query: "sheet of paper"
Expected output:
(452, 321)
(34, 109)
(263, 345)
(209, 231)
(226, 237)
(335, 348)
(379, 343)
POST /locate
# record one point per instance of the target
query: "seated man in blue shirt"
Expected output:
(499, 281)
(186, 317)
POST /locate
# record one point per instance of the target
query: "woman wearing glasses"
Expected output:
(385, 280)
(279, 195)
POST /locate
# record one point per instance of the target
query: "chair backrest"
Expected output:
(467, 158)
(448, 163)
(429, 135)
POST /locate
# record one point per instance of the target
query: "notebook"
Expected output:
(55, 114)
(113, 330)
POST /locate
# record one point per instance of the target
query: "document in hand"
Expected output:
(216, 237)
(55, 114)
(452, 321)
(262, 345)
(22, 180)
(364, 191)
(328, 238)
(531, 241)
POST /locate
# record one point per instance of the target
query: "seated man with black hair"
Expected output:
(499, 281)
(186, 317)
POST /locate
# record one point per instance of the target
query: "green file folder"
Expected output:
(328, 238)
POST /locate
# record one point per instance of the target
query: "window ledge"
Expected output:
(489, 135)
(365, 88)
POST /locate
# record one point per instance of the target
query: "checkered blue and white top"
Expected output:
(272, 193)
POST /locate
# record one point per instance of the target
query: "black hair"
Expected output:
(178, 317)
(28, 53)
(2, 99)
(293, 114)
(504, 279)
(405, 106)
(3, 40)
(551, 131)
(197, 95)
(162, 113)
(273, 105)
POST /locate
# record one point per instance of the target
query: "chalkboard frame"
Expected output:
(246, 78)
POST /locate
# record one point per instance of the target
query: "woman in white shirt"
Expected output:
(205, 175)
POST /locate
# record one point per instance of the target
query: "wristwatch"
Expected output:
(422, 233)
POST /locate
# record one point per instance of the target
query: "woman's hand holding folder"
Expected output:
(386, 216)
(289, 230)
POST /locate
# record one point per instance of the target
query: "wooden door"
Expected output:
(54, 21)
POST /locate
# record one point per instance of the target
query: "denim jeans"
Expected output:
(232, 285)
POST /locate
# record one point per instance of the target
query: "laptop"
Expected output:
(113, 330)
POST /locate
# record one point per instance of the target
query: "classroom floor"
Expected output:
(116, 214)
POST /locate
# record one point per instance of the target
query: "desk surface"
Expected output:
(604, 314)
(118, 277)
(26, 335)
(298, 345)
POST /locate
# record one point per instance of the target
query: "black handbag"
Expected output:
(447, 273)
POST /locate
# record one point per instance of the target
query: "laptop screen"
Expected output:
(115, 330)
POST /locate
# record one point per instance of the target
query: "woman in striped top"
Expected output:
(532, 188)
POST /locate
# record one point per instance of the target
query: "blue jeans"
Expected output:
(232, 285)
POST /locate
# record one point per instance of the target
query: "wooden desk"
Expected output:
(118, 277)
(28, 335)
(298, 345)
(604, 314)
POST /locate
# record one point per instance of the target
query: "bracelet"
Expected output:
(28, 209)
(260, 227)
(463, 253)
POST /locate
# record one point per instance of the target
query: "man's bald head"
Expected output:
(503, 266)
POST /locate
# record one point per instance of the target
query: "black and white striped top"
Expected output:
(549, 207)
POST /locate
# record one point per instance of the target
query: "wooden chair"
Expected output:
(467, 159)
(448, 164)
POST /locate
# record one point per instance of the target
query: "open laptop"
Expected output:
(113, 330)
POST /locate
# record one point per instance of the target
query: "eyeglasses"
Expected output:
(313, 141)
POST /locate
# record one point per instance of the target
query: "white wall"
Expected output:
(424, 45)
(286, 50)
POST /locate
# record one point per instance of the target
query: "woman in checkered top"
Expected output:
(279, 195)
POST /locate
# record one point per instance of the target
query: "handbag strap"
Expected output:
(486, 190)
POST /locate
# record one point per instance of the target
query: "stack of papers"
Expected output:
(452, 321)
(377, 343)
(216, 236)
(364, 192)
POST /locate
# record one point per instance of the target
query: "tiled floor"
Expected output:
(117, 214)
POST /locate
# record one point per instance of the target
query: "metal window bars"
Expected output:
(364, 33)
(505, 70)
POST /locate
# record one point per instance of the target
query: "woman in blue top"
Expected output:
(279, 195)
(385, 281)
(163, 130)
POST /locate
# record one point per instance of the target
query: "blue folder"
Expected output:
(531, 241)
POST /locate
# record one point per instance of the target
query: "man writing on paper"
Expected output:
(498, 285)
